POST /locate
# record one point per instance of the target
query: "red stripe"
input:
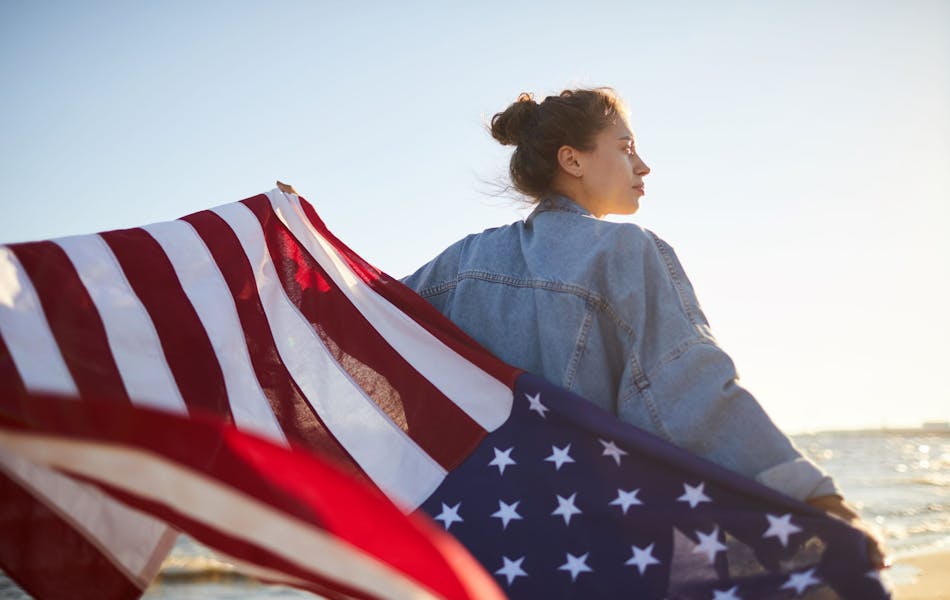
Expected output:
(45, 556)
(411, 303)
(73, 320)
(12, 390)
(183, 338)
(290, 481)
(300, 424)
(442, 429)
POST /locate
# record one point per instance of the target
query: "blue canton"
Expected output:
(566, 501)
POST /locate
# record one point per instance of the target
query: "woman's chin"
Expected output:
(626, 205)
(625, 209)
(631, 206)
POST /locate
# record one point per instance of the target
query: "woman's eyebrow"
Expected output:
(625, 137)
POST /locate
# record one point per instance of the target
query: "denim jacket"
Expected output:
(606, 310)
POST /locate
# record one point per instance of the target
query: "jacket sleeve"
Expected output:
(705, 410)
(695, 400)
(435, 281)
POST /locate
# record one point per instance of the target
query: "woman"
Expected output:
(605, 309)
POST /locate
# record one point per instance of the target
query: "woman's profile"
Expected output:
(605, 309)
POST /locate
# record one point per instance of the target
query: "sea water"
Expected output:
(898, 481)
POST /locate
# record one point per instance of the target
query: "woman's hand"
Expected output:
(287, 188)
(836, 506)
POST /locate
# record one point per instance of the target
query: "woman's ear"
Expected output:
(568, 159)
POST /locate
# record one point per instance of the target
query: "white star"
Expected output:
(576, 565)
(566, 508)
(502, 460)
(449, 515)
(506, 512)
(559, 456)
(536, 405)
(709, 543)
(626, 499)
(800, 581)
(729, 594)
(694, 495)
(511, 569)
(781, 527)
(642, 558)
(611, 449)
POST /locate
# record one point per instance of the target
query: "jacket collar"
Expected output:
(559, 203)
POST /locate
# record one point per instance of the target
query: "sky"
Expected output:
(800, 151)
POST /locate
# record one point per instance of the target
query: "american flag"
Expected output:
(241, 375)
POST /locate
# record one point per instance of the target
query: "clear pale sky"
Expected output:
(800, 151)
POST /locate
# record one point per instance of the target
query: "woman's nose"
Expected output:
(641, 168)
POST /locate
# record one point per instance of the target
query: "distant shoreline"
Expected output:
(879, 431)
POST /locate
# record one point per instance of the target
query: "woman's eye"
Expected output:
(629, 149)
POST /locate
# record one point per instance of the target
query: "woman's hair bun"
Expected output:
(510, 126)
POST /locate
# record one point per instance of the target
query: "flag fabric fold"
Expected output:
(243, 376)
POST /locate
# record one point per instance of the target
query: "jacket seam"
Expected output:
(673, 272)
(655, 415)
(435, 290)
(580, 346)
(652, 410)
(678, 351)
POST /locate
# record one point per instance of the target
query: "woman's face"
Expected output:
(613, 172)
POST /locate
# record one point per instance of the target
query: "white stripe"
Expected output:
(134, 542)
(26, 332)
(263, 573)
(383, 450)
(483, 398)
(220, 507)
(131, 334)
(212, 300)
